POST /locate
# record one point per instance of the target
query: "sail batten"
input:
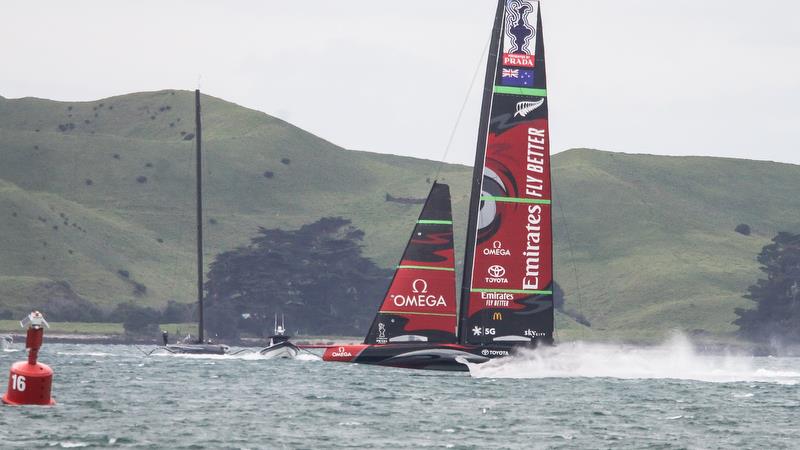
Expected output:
(448, 269)
(506, 295)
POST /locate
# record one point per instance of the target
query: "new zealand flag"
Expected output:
(517, 77)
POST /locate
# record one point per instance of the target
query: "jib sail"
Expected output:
(506, 296)
(420, 304)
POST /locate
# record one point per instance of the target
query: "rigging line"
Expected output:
(463, 107)
(574, 264)
(308, 351)
(144, 352)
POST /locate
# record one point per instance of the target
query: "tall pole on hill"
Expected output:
(198, 138)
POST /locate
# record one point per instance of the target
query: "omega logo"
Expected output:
(415, 286)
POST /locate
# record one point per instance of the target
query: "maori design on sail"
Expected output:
(420, 304)
(506, 297)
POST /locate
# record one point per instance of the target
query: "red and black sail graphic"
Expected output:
(420, 304)
(506, 297)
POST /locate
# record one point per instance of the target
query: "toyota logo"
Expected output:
(496, 271)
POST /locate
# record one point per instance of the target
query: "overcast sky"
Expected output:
(684, 77)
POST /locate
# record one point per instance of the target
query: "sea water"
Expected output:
(576, 395)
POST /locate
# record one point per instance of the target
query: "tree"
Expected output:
(137, 319)
(176, 312)
(743, 228)
(315, 275)
(777, 311)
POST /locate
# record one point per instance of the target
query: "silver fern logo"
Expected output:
(525, 108)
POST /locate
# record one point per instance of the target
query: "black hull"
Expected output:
(423, 356)
(197, 349)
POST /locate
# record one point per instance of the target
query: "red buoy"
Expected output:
(30, 381)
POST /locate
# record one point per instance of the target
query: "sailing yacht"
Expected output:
(200, 345)
(506, 296)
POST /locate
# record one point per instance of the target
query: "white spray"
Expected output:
(674, 359)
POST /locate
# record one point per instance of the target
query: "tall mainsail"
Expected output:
(506, 295)
(420, 304)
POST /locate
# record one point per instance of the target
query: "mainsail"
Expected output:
(420, 304)
(506, 295)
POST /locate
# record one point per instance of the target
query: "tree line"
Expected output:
(776, 314)
(317, 277)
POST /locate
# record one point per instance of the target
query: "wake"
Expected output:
(674, 359)
(244, 356)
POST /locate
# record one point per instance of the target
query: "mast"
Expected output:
(199, 176)
(477, 169)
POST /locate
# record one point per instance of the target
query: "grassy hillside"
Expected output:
(97, 205)
(652, 237)
(92, 191)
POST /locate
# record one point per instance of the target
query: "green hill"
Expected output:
(653, 241)
(101, 194)
(97, 207)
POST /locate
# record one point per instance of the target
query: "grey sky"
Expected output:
(701, 77)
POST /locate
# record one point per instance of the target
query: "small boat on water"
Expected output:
(191, 346)
(279, 344)
(506, 298)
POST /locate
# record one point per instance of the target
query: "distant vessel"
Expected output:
(279, 344)
(506, 296)
(198, 346)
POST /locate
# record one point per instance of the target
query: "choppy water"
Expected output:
(573, 396)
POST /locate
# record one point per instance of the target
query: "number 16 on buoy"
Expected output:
(30, 381)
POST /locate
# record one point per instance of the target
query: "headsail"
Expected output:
(420, 304)
(506, 296)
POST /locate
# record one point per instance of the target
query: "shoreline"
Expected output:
(701, 346)
(116, 339)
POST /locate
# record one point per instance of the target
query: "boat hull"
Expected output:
(198, 349)
(283, 349)
(425, 355)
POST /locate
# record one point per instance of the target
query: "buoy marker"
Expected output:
(30, 382)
